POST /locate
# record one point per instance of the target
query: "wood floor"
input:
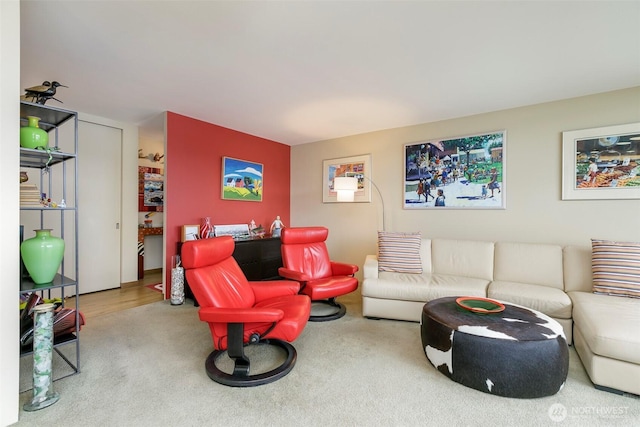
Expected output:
(129, 295)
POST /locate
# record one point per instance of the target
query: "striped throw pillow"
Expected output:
(616, 268)
(399, 252)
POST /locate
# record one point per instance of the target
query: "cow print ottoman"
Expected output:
(518, 352)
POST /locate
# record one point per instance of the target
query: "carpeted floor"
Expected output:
(145, 367)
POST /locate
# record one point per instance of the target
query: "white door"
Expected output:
(99, 184)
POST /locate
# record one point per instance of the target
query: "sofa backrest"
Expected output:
(425, 256)
(536, 264)
(577, 269)
(467, 258)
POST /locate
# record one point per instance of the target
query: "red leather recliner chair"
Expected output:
(306, 260)
(242, 313)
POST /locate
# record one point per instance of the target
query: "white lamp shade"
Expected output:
(346, 183)
(345, 196)
(346, 187)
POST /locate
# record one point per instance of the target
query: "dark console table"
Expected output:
(259, 259)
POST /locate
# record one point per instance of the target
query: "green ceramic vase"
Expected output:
(42, 256)
(32, 136)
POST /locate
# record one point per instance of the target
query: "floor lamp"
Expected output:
(346, 187)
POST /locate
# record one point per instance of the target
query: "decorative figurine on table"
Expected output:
(276, 227)
(255, 230)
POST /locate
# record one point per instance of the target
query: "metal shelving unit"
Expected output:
(56, 167)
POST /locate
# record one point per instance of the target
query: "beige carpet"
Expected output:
(145, 367)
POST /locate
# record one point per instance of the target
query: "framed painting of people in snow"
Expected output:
(466, 172)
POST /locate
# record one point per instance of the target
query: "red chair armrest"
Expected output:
(298, 276)
(342, 269)
(274, 288)
(239, 315)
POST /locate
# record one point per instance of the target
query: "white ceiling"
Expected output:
(303, 71)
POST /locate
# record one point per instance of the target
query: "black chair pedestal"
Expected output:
(241, 376)
(339, 310)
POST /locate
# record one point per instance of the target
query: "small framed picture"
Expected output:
(190, 232)
(355, 166)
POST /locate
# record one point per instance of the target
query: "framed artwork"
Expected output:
(190, 232)
(150, 189)
(358, 166)
(241, 180)
(465, 172)
(237, 231)
(601, 163)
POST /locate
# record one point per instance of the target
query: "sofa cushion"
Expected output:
(421, 287)
(530, 263)
(399, 252)
(609, 325)
(550, 301)
(616, 268)
(464, 258)
(425, 254)
(577, 268)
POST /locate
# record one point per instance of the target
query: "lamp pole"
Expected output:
(355, 175)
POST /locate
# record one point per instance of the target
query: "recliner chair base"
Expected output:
(339, 311)
(241, 376)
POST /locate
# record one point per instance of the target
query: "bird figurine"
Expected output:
(41, 94)
(31, 93)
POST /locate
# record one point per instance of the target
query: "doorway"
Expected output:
(99, 206)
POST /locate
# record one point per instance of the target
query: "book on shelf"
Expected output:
(29, 195)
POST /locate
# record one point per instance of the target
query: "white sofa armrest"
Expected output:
(370, 268)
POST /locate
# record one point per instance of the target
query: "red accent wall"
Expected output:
(193, 178)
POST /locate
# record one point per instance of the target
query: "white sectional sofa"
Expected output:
(552, 279)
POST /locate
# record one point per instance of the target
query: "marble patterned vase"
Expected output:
(43, 393)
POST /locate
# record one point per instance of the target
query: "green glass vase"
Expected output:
(31, 136)
(42, 256)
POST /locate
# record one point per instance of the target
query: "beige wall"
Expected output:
(535, 211)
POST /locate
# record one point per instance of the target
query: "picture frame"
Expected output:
(469, 171)
(241, 180)
(601, 163)
(358, 166)
(150, 189)
(190, 232)
(237, 231)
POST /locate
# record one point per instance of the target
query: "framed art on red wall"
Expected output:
(241, 180)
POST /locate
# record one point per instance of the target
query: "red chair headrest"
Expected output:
(204, 252)
(297, 235)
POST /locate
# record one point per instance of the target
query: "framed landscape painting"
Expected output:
(356, 166)
(601, 163)
(241, 180)
(465, 172)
